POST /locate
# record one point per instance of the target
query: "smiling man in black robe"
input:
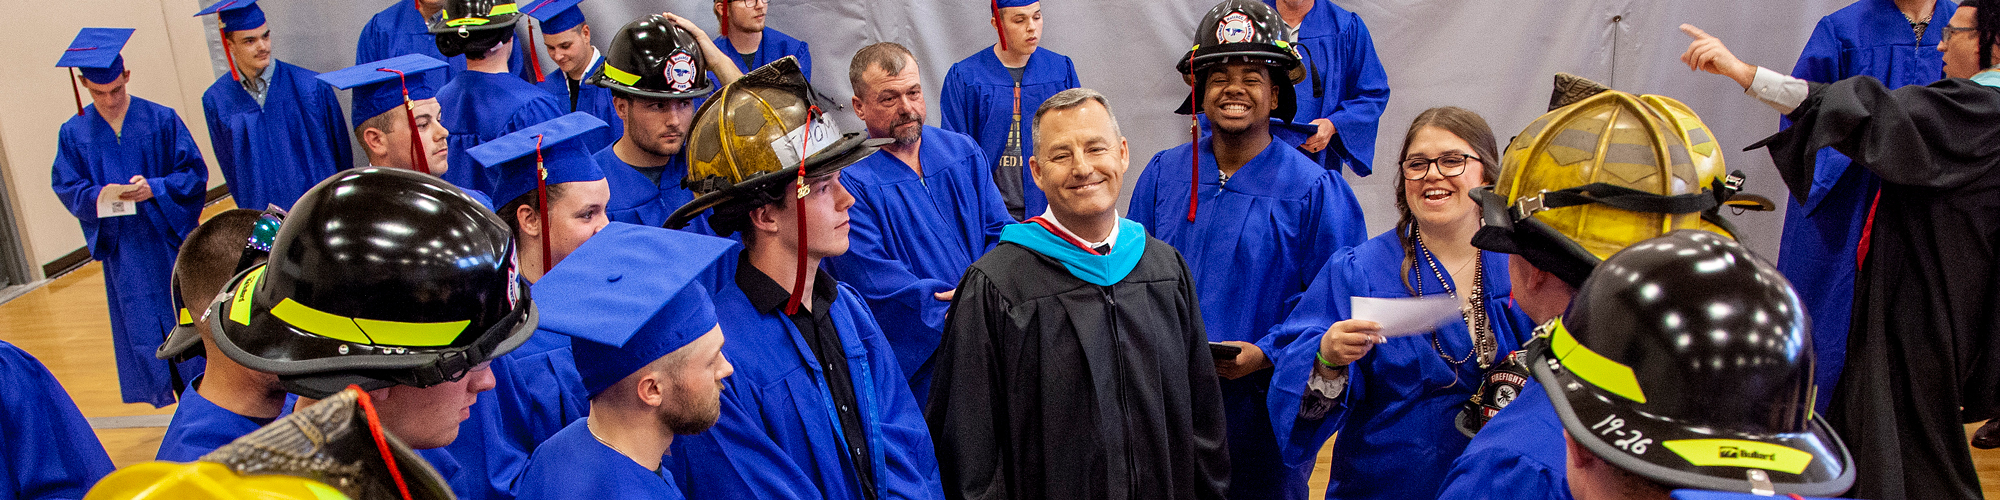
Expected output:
(1922, 356)
(1074, 364)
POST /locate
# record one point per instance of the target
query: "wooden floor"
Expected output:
(64, 324)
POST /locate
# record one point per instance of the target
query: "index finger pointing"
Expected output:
(1695, 33)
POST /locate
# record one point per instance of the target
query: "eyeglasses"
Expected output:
(1448, 165)
(1949, 31)
(749, 3)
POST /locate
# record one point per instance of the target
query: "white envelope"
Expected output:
(108, 204)
(1411, 316)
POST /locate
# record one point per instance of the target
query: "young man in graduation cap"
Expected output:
(925, 208)
(755, 44)
(1074, 364)
(1341, 97)
(484, 102)
(655, 71)
(143, 153)
(819, 407)
(1920, 351)
(392, 281)
(988, 95)
(397, 117)
(566, 36)
(556, 199)
(404, 28)
(635, 302)
(276, 129)
(1254, 217)
(227, 400)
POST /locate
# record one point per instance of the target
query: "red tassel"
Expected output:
(725, 20)
(1194, 134)
(799, 192)
(381, 443)
(228, 55)
(74, 91)
(417, 156)
(542, 198)
(535, 60)
(996, 26)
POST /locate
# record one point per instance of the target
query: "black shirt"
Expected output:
(817, 329)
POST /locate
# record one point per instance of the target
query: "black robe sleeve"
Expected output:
(1915, 136)
(1211, 452)
(967, 404)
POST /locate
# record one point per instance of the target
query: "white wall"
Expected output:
(1494, 57)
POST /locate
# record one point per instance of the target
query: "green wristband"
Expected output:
(1323, 362)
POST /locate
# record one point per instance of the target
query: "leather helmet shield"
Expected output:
(1686, 360)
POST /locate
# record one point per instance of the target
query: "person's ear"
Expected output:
(529, 219)
(649, 389)
(764, 219)
(375, 141)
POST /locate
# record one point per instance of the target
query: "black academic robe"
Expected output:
(1051, 387)
(1921, 342)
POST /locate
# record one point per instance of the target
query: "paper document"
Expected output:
(108, 204)
(1400, 317)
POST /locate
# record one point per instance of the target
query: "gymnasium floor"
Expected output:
(64, 324)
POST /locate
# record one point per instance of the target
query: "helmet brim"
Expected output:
(503, 21)
(1686, 455)
(850, 149)
(599, 79)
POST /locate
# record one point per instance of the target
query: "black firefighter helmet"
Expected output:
(1686, 360)
(379, 277)
(465, 26)
(1243, 30)
(651, 57)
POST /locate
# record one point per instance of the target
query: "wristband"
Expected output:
(1324, 363)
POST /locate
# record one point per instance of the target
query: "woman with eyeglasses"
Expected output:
(1394, 400)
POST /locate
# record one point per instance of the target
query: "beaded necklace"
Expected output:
(1475, 316)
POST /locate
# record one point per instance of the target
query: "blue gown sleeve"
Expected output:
(1336, 221)
(805, 59)
(47, 450)
(1359, 113)
(1073, 82)
(185, 187)
(1496, 476)
(992, 207)
(71, 180)
(372, 46)
(1324, 303)
(328, 114)
(880, 278)
(1822, 61)
(1144, 193)
(910, 460)
(737, 458)
(955, 102)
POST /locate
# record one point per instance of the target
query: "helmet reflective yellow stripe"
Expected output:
(1600, 371)
(619, 75)
(205, 481)
(367, 331)
(1740, 453)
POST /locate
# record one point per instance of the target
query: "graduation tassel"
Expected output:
(799, 183)
(1194, 136)
(725, 21)
(996, 26)
(542, 198)
(228, 55)
(417, 156)
(381, 443)
(75, 92)
(534, 59)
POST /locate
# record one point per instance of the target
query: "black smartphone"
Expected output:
(1223, 351)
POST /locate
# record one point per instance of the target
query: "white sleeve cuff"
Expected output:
(1780, 92)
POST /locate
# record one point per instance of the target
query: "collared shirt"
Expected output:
(260, 85)
(1101, 246)
(817, 329)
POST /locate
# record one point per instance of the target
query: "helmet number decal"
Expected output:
(680, 72)
(1235, 28)
(1630, 440)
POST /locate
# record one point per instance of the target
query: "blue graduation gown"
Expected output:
(589, 99)
(47, 449)
(1817, 249)
(199, 427)
(775, 45)
(911, 236)
(1254, 246)
(635, 199)
(138, 250)
(480, 107)
(271, 154)
(977, 99)
(1519, 455)
(1397, 438)
(779, 435)
(400, 29)
(1352, 87)
(573, 465)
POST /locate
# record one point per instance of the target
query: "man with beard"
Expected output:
(1255, 219)
(985, 95)
(755, 44)
(1074, 364)
(654, 71)
(925, 207)
(818, 406)
(650, 354)
(276, 129)
(566, 35)
(396, 115)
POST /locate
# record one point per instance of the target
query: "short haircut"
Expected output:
(510, 211)
(1070, 99)
(890, 56)
(207, 259)
(385, 122)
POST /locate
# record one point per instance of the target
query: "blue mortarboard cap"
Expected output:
(378, 88)
(556, 16)
(95, 53)
(1003, 4)
(629, 295)
(563, 153)
(237, 15)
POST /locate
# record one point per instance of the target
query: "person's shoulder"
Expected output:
(16, 362)
(956, 141)
(780, 37)
(382, 20)
(1051, 56)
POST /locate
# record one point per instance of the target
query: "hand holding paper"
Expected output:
(1411, 316)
